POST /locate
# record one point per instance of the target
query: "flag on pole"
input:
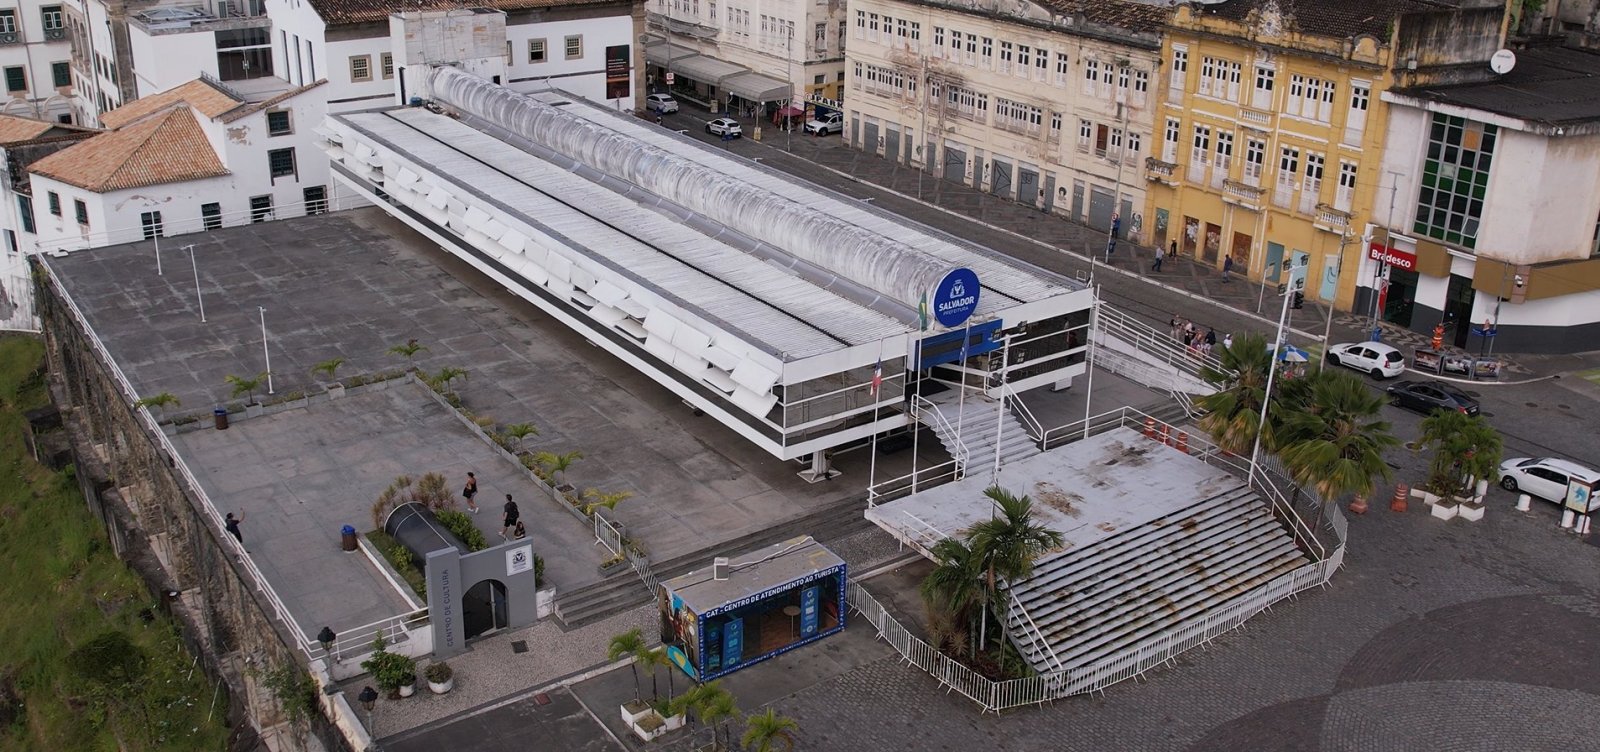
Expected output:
(922, 310)
(877, 377)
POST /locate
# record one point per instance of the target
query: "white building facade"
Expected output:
(1053, 111)
(748, 53)
(1489, 211)
(36, 62)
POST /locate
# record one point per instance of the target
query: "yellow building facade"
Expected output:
(1269, 138)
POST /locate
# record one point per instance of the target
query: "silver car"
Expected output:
(726, 127)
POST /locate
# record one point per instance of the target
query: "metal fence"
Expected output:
(1052, 685)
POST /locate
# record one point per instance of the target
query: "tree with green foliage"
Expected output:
(445, 376)
(328, 368)
(556, 464)
(1007, 545)
(408, 351)
(1334, 440)
(955, 586)
(715, 709)
(594, 499)
(246, 385)
(1465, 448)
(159, 402)
(520, 432)
(1233, 412)
(764, 730)
(627, 645)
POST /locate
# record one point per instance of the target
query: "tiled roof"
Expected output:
(1126, 14)
(363, 11)
(1333, 18)
(207, 99)
(14, 129)
(1554, 86)
(165, 147)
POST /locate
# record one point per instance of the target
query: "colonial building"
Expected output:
(1490, 212)
(746, 54)
(1271, 125)
(35, 59)
(1046, 103)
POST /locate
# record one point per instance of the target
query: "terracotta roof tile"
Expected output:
(165, 147)
(365, 11)
(1126, 14)
(207, 99)
(14, 129)
(1334, 18)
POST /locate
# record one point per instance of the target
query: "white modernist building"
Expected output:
(790, 313)
(1489, 209)
(1032, 101)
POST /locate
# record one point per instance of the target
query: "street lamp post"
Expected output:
(195, 267)
(368, 698)
(266, 353)
(1116, 195)
(1338, 271)
(1297, 277)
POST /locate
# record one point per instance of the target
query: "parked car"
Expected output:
(1427, 396)
(829, 122)
(725, 127)
(1544, 477)
(662, 103)
(1376, 358)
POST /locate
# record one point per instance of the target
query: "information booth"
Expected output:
(749, 608)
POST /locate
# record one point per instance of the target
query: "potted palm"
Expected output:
(393, 672)
(520, 432)
(160, 403)
(555, 465)
(329, 369)
(1334, 443)
(408, 351)
(441, 678)
(630, 644)
(1466, 449)
(247, 385)
(765, 732)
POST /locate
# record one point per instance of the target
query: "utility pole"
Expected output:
(1338, 271)
(1297, 277)
(1116, 195)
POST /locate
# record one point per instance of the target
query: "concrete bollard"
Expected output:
(1583, 525)
(1566, 519)
(1523, 500)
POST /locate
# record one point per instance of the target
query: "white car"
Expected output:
(662, 103)
(1544, 477)
(727, 127)
(1380, 360)
(830, 122)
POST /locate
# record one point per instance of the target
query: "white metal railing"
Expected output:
(1187, 403)
(174, 227)
(1151, 341)
(1020, 409)
(921, 406)
(606, 532)
(1033, 632)
(894, 488)
(1065, 681)
(357, 642)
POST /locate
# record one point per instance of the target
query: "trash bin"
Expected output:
(347, 538)
(220, 416)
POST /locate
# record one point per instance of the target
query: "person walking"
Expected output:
(1160, 254)
(1227, 341)
(230, 523)
(470, 492)
(509, 518)
(1227, 269)
(1188, 333)
(1177, 326)
(1211, 340)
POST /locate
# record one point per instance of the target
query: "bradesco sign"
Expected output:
(1395, 258)
(956, 297)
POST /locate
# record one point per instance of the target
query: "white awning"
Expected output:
(706, 70)
(660, 52)
(757, 88)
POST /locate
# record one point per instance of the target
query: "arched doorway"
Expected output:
(483, 608)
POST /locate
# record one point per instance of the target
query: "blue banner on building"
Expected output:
(808, 611)
(956, 297)
(732, 642)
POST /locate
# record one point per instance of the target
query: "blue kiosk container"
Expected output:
(752, 607)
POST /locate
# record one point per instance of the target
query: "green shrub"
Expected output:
(461, 526)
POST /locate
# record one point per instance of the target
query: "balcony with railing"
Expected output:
(1251, 116)
(1332, 220)
(1157, 171)
(1242, 195)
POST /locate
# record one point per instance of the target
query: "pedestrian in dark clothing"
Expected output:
(1227, 268)
(470, 491)
(230, 523)
(1174, 251)
(509, 517)
(1211, 338)
(520, 531)
(1156, 267)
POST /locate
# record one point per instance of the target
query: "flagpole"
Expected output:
(1000, 415)
(872, 466)
(961, 397)
(1088, 358)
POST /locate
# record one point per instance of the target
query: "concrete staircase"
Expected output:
(1091, 603)
(623, 590)
(970, 429)
(1135, 350)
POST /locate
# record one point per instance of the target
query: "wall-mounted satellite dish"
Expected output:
(1503, 61)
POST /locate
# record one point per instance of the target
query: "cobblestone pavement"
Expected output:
(1193, 289)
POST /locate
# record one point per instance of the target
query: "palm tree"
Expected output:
(556, 464)
(520, 431)
(1234, 411)
(160, 402)
(647, 659)
(246, 384)
(628, 644)
(328, 367)
(447, 375)
(956, 582)
(1008, 545)
(408, 351)
(762, 729)
(716, 706)
(1465, 448)
(608, 499)
(1334, 442)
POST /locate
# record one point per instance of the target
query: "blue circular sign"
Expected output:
(956, 297)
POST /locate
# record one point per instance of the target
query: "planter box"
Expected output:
(658, 728)
(1470, 511)
(674, 723)
(640, 710)
(607, 569)
(169, 429)
(545, 601)
(1444, 510)
(253, 410)
(335, 391)
(440, 688)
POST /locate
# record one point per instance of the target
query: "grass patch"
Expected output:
(66, 597)
(1592, 375)
(401, 559)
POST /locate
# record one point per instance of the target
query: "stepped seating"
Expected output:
(1105, 598)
